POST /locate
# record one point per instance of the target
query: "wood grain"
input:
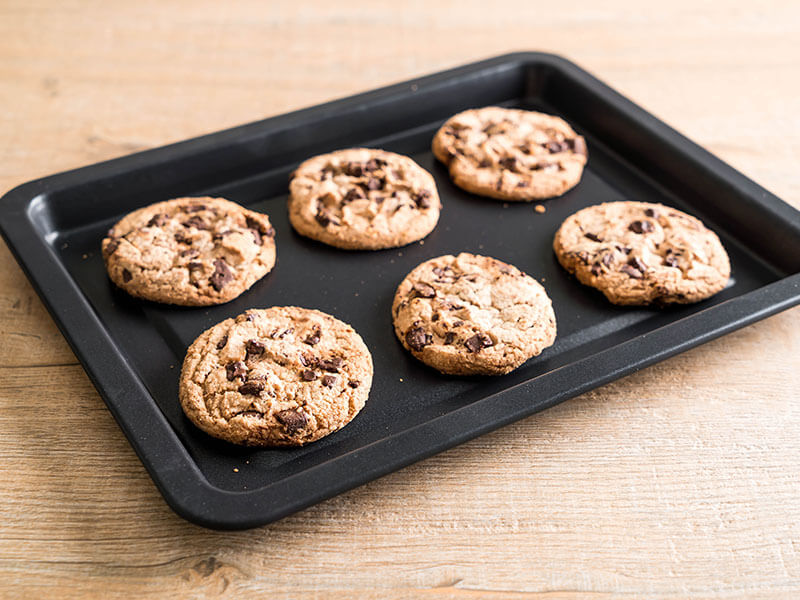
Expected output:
(682, 480)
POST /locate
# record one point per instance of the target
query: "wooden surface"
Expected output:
(681, 480)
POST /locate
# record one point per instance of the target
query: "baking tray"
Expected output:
(133, 350)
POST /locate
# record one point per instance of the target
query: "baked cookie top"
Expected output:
(472, 315)
(363, 199)
(642, 253)
(281, 376)
(189, 251)
(510, 154)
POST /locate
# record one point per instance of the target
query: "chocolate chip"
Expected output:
(235, 369)
(353, 169)
(353, 194)
(423, 199)
(157, 221)
(424, 290)
(221, 276)
(222, 342)
(650, 213)
(195, 222)
(478, 342)
(308, 375)
(436, 317)
(631, 272)
(354, 383)
(592, 237)
(325, 218)
(509, 162)
(126, 275)
(578, 145)
(372, 165)
(291, 420)
(641, 227)
(191, 208)
(251, 387)
(637, 263)
(111, 247)
(555, 147)
(417, 338)
(313, 338)
(449, 338)
(373, 183)
(331, 365)
(328, 380)
(255, 348)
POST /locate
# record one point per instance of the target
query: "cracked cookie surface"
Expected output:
(511, 154)
(363, 199)
(642, 253)
(189, 251)
(281, 376)
(472, 315)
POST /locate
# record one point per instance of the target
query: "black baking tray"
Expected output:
(133, 350)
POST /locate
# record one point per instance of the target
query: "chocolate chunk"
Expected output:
(308, 375)
(578, 145)
(313, 338)
(181, 238)
(235, 369)
(417, 338)
(292, 420)
(157, 221)
(308, 360)
(328, 380)
(373, 183)
(372, 165)
(325, 218)
(191, 208)
(555, 147)
(592, 237)
(509, 162)
(637, 263)
(257, 236)
(354, 383)
(650, 213)
(221, 276)
(424, 290)
(449, 338)
(353, 169)
(195, 222)
(331, 365)
(641, 227)
(423, 199)
(631, 272)
(111, 248)
(596, 269)
(222, 342)
(255, 348)
(353, 194)
(251, 387)
(126, 275)
(478, 342)
(189, 253)
(195, 266)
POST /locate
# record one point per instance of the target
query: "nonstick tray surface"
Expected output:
(133, 350)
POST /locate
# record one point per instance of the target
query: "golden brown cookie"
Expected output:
(189, 251)
(281, 376)
(472, 315)
(363, 199)
(511, 154)
(642, 253)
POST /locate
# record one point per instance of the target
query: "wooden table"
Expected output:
(681, 480)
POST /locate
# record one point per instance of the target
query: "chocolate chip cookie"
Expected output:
(281, 376)
(642, 253)
(189, 251)
(363, 199)
(511, 154)
(472, 315)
